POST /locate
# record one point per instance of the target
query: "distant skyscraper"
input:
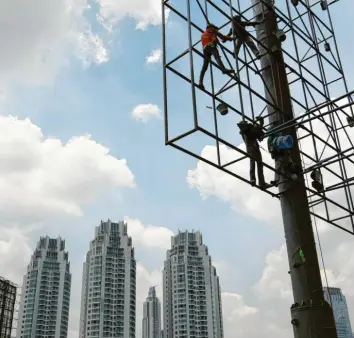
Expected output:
(191, 291)
(45, 297)
(7, 307)
(340, 310)
(108, 284)
(152, 316)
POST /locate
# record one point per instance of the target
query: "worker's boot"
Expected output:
(265, 185)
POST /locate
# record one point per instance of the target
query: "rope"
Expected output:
(318, 236)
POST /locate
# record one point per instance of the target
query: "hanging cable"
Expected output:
(317, 233)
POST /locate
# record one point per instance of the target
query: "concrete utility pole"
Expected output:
(312, 316)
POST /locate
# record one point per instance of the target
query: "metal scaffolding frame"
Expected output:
(8, 292)
(321, 100)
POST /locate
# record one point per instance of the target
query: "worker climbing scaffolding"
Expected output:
(238, 30)
(210, 48)
(252, 134)
(266, 91)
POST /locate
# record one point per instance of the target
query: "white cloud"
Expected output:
(242, 197)
(39, 37)
(145, 112)
(15, 253)
(154, 57)
(242, 320)
(144, 12)
(275, 281)
(42, 177)
(149, 236)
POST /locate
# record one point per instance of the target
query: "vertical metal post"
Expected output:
(191, 63)
(165, 98)
(311, 315)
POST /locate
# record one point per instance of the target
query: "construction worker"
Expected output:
(239, 31)
(251, 134)
(210, 48)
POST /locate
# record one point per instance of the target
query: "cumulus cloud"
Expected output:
(154, 57)
(240, 318)
(39, 37)
(144, 12)
(146, 112)
(15, 253)
(241, 197)
(275, 282)
(149, 235)
(41, 177)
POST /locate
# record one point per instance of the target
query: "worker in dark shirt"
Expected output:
(239, 31)
(252, 134)
(210, 48)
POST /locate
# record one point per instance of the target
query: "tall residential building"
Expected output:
(45, 297)
(108, 284)
(191, 291)
(335, 297)
(152, 316)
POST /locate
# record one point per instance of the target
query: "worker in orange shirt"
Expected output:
(210, 48)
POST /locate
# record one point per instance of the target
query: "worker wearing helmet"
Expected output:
(239, 31)
(210, 48)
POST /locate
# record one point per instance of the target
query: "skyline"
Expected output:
(77, 68)
(61, 240)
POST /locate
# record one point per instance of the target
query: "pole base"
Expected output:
(312, 320)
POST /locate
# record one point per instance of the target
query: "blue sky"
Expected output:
(99, 100)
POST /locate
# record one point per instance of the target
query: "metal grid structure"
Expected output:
(321, 100)
(7, 307)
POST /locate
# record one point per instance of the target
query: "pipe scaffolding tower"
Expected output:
(298, 86)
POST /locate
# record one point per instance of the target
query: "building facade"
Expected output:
(45, 297)
(152, 316)
(108, 284)
(191, 291)
(335, 297)
(7, 307)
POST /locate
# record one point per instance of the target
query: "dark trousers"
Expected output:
(210, 51)
(255, 152)
(249, 42)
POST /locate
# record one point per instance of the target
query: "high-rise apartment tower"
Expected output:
(45, 296)
(152, 316)
(108, 284)
(191, 291)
